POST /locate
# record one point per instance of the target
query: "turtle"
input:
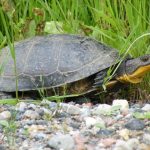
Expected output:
(77, 64)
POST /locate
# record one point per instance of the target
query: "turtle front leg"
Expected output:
(99, 80)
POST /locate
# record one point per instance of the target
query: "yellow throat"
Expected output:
(136, 76)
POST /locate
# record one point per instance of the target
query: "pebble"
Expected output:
(133, 143)
(97, 122)
(135, 124)
(104, 132)
(89, 122)
(71, 109)
(146, 107)
(30, 114)
(146, 139)
(5, 115)
(121, 145)
(22, 106)
(124, 105)
(124, 133)
(102, 109)
(85, 112)
(107, 142)
(62, 142)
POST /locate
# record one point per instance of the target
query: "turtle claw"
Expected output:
(97, 84)
(99, 79)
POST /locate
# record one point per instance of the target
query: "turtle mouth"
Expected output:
(136, 76)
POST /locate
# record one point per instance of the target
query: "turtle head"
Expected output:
(134, 69)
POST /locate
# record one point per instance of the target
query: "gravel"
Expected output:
(71, 126)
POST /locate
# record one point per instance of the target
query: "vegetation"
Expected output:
(115, 22)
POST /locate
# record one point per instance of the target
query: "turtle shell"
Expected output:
(52, 61)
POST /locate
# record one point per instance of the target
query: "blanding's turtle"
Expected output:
(54, 61)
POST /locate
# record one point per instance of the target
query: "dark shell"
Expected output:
(52, 61)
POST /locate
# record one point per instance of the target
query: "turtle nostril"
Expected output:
(144, 58)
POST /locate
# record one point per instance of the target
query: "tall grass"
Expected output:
(114, 22)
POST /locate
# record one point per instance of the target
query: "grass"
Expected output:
(116, 23)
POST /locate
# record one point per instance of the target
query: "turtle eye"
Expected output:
(144, 58)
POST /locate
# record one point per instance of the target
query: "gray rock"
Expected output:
(85, 111)
(71, 109)
(5, 115)
(122, 145)
(91, 122)
(2, 147)
(64, 142)
(53, 105)
(146, 107)
(133, 143)
(101, 109)
(30, 114)
(146, 138)
(40, 136)
(124, 105)
(124, 133)
(135, 124)
(32, 106)
(104, 132)
(21, 106)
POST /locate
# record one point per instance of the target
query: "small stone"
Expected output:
(133, 143)
(62, 142)
(85, 111)
(146, 139)
(2, 147)
(107, 142)
(119, 117)
(32, 106)
(143, 146)
(121, 145)
(94, 122)
(102, 109)
(34, 129)
(40, 112)
(47, 111)
(21, 106)
(80, 141)
(5, 115)
(30, 114)
(124, 105)
(75, 125)
(89, 122)
(135, 124)
(71, 109)
(53, 105)
(146, 107)
(124, 133)
(104, 132)
(40, 136)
